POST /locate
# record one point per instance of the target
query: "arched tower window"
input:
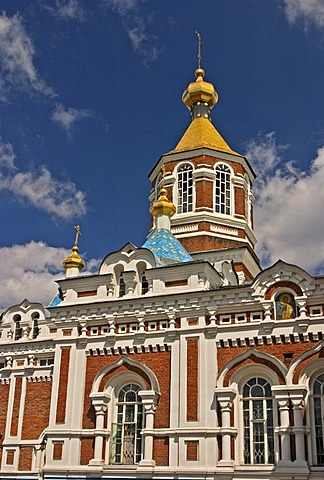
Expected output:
(127, 440)
(35, 318)
(185, 189)
(122, 285)
(258, 422)
(318, 406)
(18, 329)
(223, 189)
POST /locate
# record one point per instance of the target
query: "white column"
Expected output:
(281, 394)
(225, 398)
(297, 395)
(149, 401)
(284, 429)
(100, 402)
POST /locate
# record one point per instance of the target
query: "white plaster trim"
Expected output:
(229, 231)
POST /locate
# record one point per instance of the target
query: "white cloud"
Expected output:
(289, 206)
(16, 59)
(7, 156)
(67, 117)
(67, 10)
(29, 271)
(144, 43)
(38, 188)
(311, 11)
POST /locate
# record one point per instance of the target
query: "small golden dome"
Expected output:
(163, 206)
(200, 91)
(74, 259)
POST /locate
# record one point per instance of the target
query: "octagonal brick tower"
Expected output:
(211, 185)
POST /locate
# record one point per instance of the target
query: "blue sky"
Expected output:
(90, 98)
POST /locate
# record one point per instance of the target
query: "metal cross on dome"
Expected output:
(78, 233)
(199, 48)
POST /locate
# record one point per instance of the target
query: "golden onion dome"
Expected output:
(74, 259)
(200, 91)
(163, 206)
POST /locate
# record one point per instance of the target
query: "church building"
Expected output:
(180, 358)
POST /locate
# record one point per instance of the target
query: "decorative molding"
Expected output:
(226, 230)
(185, 228)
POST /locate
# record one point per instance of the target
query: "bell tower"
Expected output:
(211, 186)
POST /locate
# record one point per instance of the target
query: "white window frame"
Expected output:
(228, 209)
(182, 168)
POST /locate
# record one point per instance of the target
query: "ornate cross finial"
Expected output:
(78, 233)
(199, 48)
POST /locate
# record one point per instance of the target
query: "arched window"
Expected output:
(18, 329)
(185, 189)
(35, 318)
(144, 285)
(258, 429)
(223, 190)
(122, 285)
(126, 434)
(318, 405)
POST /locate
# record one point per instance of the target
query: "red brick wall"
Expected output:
(192, 447)
(161, 451)
(25, 458)
(57, 450)
(63, 385)
(87, 450)
(205, 243)
(192, 379)
(239, 201)
(208, 160)
(278, 351)
(4, 395)
(240, 267)
(282, 284)
(10, 457)
(37, 409)
(16, 407)
(159, 363)
(204, 194)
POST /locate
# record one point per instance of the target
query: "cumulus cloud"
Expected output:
(17, 67)
(39, 188)
(311, 11)
(136, 25)
(289, 206)
(29, 271)
(67, 117)
(66, 10)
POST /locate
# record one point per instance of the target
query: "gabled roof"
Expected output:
(202, 133)
(165, 246)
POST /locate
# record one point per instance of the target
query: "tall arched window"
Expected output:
(35, 318)
(223, 190)
(126, 437)
(18, 329)
(318, 405)
(185, 189)
(122, 285)
(258, 422)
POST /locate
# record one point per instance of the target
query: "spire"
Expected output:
(73, 263)
(200, 97)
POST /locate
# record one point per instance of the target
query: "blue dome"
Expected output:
(165, 246)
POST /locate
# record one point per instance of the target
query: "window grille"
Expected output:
(318, 406)
(126, 432)
(223, 190)
(258, 422)
(185, 189)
